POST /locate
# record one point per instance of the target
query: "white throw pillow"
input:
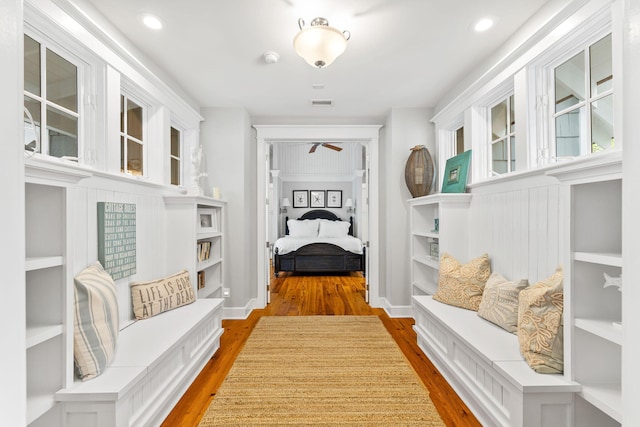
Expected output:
(333, 228)
(304, 228)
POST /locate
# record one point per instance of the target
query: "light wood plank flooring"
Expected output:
(298, 295)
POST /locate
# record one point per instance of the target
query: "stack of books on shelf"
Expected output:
(204, 250)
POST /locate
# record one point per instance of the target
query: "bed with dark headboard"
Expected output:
(324, 255)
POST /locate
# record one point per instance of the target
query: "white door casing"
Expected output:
(367, 135)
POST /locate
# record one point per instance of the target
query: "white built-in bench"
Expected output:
(155, 362)
(483, 364)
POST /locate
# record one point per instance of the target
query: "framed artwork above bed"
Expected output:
(317, 198)
(334, 198)
(300, 199)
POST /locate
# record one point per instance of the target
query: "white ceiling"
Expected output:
(402, 53)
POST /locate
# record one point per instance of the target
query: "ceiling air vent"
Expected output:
(322, 102)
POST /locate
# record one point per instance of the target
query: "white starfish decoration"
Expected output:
(612, 281)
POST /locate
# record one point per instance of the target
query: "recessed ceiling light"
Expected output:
(151, 21)
(483, 24)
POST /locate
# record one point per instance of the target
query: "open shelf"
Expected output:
(42, 262)
(40, 334)
(202, 265)
(612, 259)
(433, 263)
(606, 397)
(208, 235)
(603, 328)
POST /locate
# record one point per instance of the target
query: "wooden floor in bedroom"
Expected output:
(301, 295)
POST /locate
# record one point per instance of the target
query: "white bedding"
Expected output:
(289, 244)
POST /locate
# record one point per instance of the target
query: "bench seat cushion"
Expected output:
(145, 341)
(489, 341)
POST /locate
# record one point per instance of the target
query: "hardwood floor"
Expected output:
(297, 295)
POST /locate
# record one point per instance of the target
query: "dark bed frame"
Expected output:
(320, 257)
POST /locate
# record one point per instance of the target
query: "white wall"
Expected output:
(13, 389)
(631, 212)
(405, 128)
(230, 148)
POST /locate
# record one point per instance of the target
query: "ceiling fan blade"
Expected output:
(332, 147)
(313, 147)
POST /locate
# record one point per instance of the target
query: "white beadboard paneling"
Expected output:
(518, 226)
(295, 159)
(150, 231)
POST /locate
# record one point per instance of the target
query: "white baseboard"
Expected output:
(397, 310)
(239, 313)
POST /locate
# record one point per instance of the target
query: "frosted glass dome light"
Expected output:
(320, 44)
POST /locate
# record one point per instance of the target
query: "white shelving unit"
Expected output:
(592, 193)
(451, 212)
(49, 194)
(195, 221)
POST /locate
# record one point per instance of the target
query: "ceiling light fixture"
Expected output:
(151, 21)
(320, 44)
(483, 24)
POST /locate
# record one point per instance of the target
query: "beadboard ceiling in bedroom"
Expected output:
(294, 159)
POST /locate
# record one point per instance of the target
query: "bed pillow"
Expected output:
(540, 324)
(499, 302)
(303, 228)
(334, 228)
(462, 285)
(160, 295)
(95, 321)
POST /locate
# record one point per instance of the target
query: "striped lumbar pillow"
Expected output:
(95, 321)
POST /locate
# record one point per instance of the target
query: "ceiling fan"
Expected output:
(315, 145)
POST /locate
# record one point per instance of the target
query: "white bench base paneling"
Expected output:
(482, 362)
(156, 360)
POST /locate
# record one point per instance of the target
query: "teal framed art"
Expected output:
(456, 172)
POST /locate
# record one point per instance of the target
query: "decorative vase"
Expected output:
(418, 172)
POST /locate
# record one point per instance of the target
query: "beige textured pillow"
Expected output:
(540, 324)
(160, 295)
(462, 285)
(499, 303)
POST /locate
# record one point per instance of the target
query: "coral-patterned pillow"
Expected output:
(540, 324)
(462, 285)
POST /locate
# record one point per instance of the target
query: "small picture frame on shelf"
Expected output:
(434, 250)
(207, 221)
(334, 198)
(300, 199)
(455, 173)
(317, 198)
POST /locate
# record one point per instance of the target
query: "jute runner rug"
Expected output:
(321, 370)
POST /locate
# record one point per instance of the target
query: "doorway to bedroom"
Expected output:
(316, 218)
(332, 169)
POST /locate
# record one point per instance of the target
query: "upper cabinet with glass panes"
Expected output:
(503, 138)
(583, 109)
(51, 102)
(132, 136)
